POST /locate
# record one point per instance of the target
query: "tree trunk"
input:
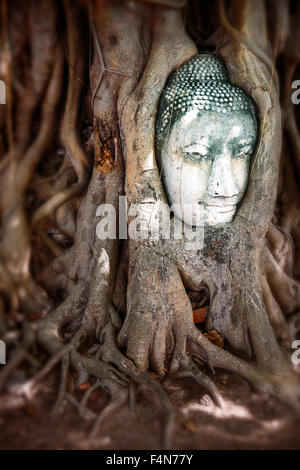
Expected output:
(78, 131)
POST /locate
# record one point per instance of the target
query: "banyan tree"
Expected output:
(113, 105)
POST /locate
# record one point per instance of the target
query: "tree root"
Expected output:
(19, 355)
(82, 404)
(119, 396)
(63, 385)
(194, 373)
(247, 268)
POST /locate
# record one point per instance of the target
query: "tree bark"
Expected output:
(120, 311)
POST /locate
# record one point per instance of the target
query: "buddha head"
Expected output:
(206, 132)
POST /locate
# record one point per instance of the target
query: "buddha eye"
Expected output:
(243, 154)
(196, 156)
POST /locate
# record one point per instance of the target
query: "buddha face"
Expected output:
(205, 163)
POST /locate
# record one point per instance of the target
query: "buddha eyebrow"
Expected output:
(205, 144)
(198, 140)
(237, 143)
(245, 141)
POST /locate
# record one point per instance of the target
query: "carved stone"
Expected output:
(205, 135)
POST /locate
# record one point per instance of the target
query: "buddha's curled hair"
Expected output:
(202, 84)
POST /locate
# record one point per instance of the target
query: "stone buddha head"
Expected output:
(206, 132)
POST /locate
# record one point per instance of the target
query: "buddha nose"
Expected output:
(222, 182)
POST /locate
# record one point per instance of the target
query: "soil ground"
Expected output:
(249, 421)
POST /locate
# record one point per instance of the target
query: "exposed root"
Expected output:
(19, 355)
(111, 354)
(119, 396)
(125, 322)
(86, 413)
(194, 373)
(69, 133)
(86, 396)
(63, 385)
(248, 43)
